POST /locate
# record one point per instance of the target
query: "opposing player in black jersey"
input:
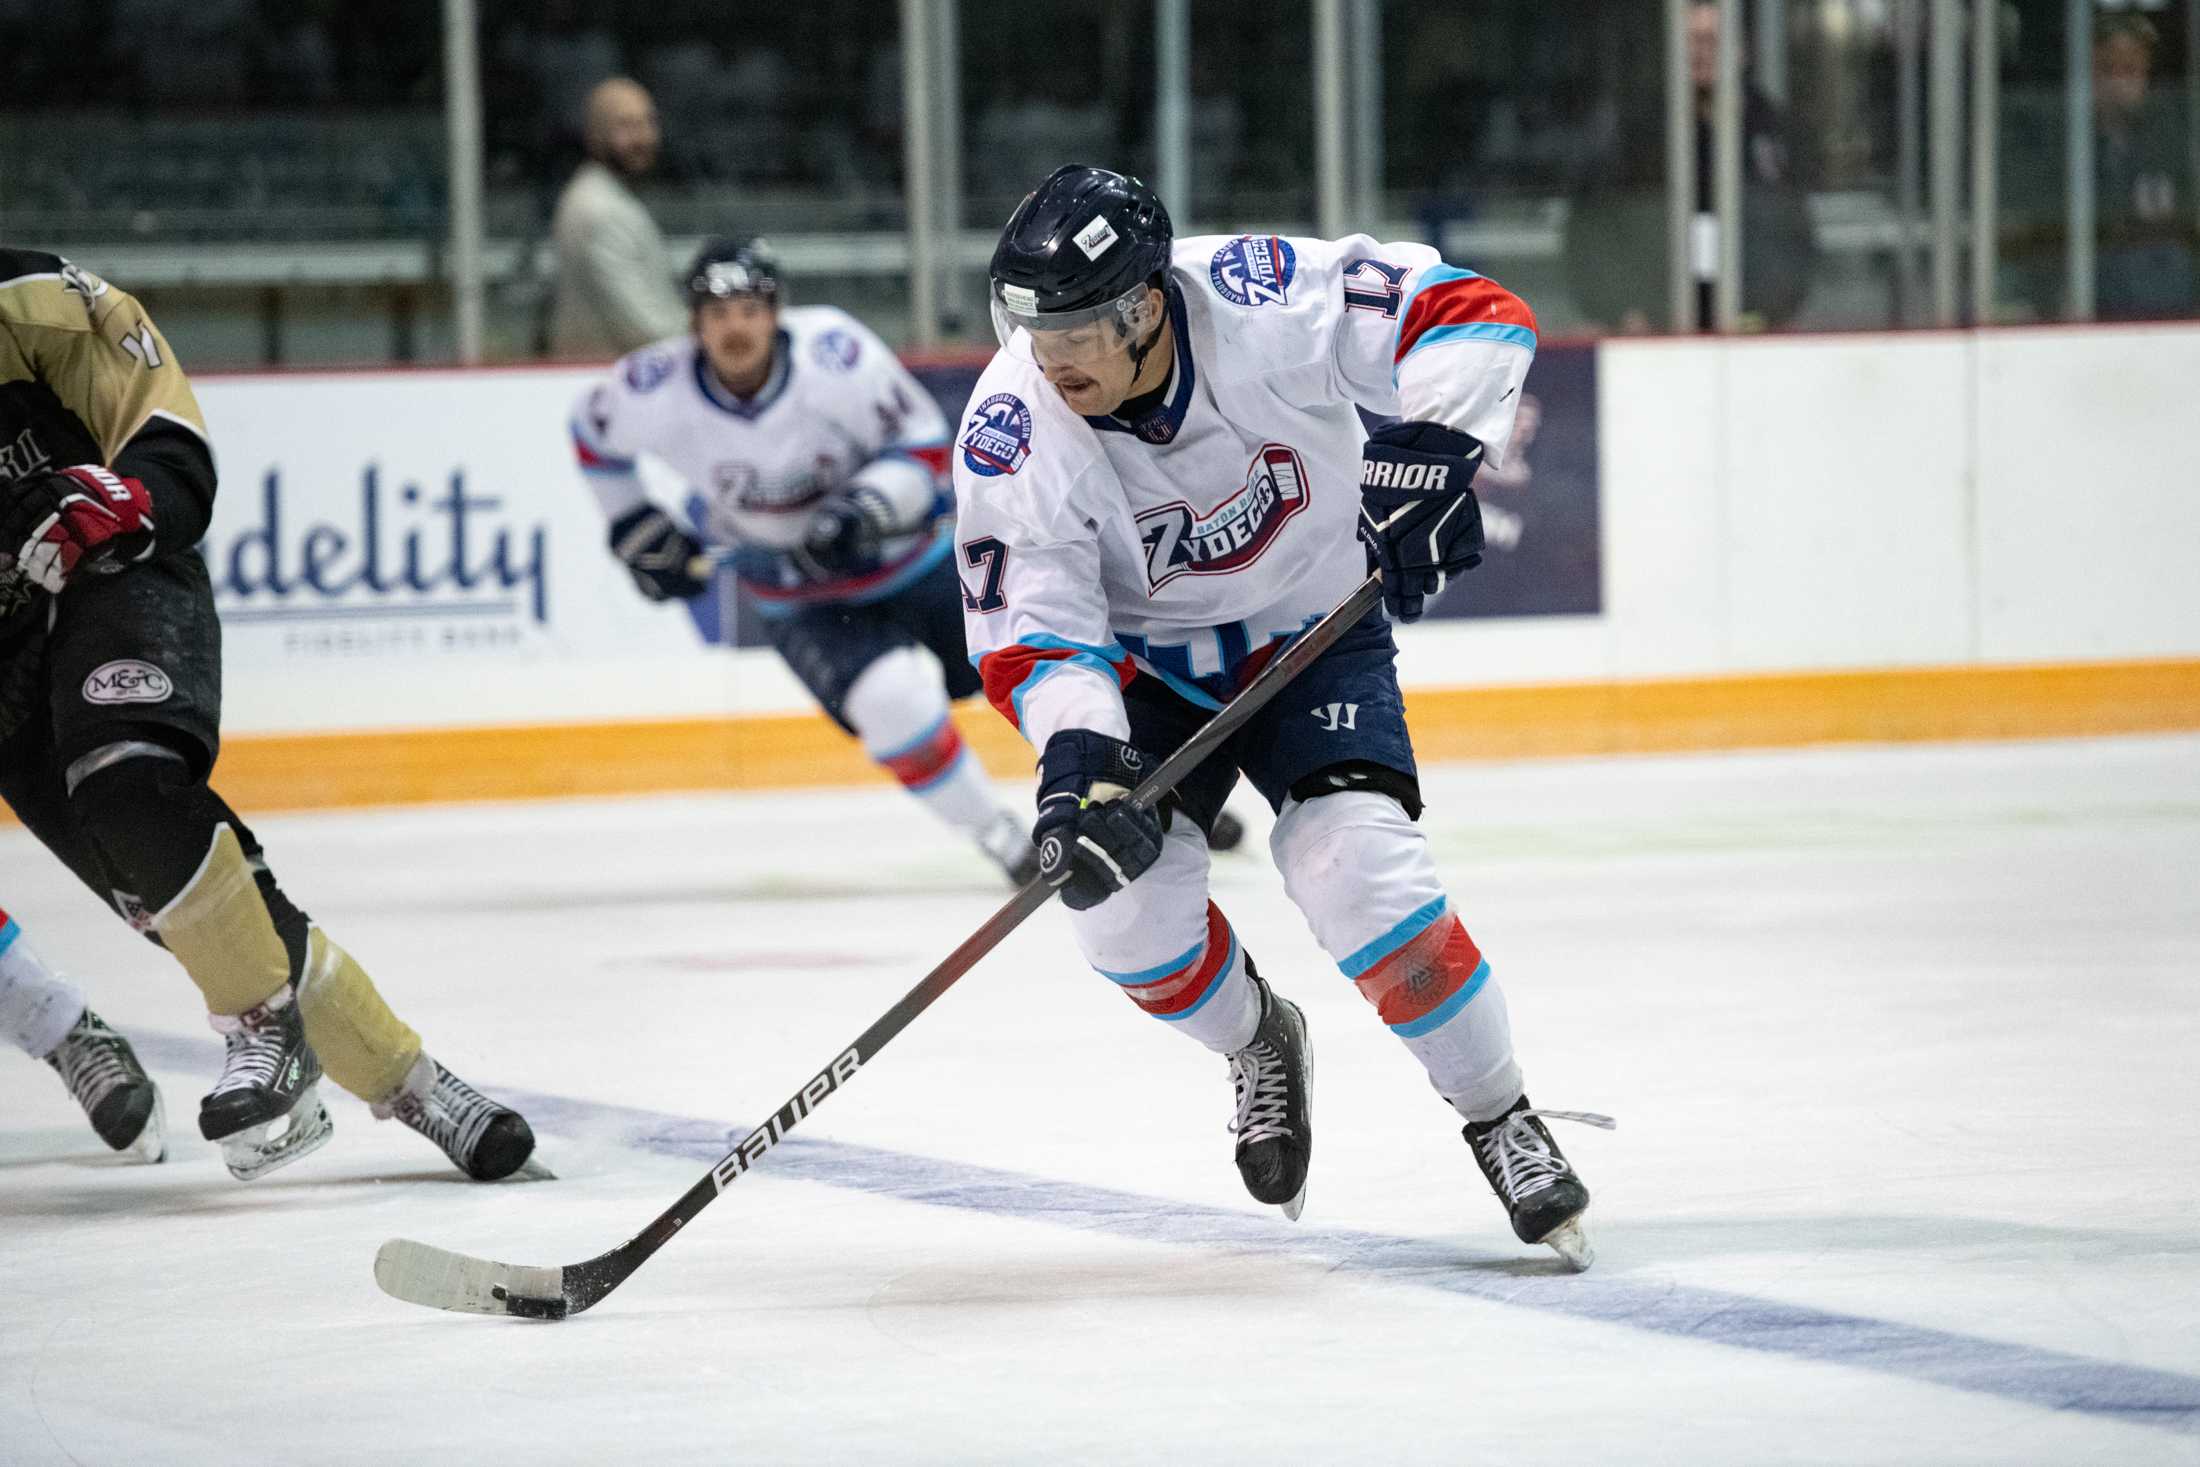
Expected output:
(110, 704)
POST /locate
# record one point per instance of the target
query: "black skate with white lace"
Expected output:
(1273, 1076)
(1543, 1195)
(266, 1109)
(483, 1139)
(103, 1073)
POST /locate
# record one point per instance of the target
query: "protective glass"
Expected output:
(1078, 337)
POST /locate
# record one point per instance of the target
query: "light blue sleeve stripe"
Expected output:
(914, 744)
(1437, 1017)
(1155, 974)
(610, 461)
(9, 934)
(1187, 691)
(1043, 670)
(1413, 925)
(1502, 331)
(1433, 275)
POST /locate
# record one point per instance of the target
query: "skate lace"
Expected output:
(91, 1065)
(1522, 1160)
(252, 1059)
(453, 1114)
(1263, 1094)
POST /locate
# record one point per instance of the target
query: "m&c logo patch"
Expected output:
(1231, 535)
(997, 438)
(1253, 270)
(127, 681)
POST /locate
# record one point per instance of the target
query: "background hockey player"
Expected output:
(1161, 473)
(823, 462)
(46, 1017)
(110, 704)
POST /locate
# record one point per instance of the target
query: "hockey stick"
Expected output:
(420, 1273)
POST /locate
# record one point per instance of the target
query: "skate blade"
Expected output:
(1295, 1206)
(151, 1145)
(1570, 1242)
(253, 1153)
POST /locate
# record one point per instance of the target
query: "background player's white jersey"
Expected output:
(1192, 544)
(838, 412)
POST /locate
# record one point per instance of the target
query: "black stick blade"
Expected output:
(437, 1278)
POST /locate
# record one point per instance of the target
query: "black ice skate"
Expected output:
(103, 1073)
(1542, 1193)
(265, 1110)
(1274, 1124)
(483, 1139)
(1008, 843)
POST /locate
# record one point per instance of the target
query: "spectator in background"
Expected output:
(614, 287)
(1615, 238)
(2142, 181)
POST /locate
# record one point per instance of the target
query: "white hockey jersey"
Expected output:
(1192, 545)
(839, 412)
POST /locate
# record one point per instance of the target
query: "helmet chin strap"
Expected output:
(1140, 352)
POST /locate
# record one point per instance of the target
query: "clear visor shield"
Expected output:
(1077, 338)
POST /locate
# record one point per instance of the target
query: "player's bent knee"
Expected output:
(894, 700)
(149, 816)
(1349, 859)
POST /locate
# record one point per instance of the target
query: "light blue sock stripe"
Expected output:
(1437, 1017)
(9, 934)
(1502, 331)
(916, 743)
(1229, 961)
(1415, 923)
(1155, 974)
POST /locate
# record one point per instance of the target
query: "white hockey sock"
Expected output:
(1171, 950)
(37, 1007)
(900, 710)
(1359, 869)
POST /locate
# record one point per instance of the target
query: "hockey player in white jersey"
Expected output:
(47, 1018)
(1162, 474)
(823, 463)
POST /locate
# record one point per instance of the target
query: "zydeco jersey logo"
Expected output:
(380, 566)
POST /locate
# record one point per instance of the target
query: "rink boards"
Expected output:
(1803, 540)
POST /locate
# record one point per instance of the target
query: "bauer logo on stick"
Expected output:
(997, 439)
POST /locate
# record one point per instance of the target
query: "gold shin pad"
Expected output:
(219, 929)
(364, 1047)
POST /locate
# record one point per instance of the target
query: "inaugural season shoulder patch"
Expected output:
(1254, 270)
(997, 438)
(647, 370)
(835, 350)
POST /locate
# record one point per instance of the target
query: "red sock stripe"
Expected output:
(1412, 981)
(928, 760)
(1461, 303)
(1183, 988)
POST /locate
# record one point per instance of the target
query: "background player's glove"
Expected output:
(846, 533)
(62, 521)
(656, 552)
(1417, 510)
(1092, 841)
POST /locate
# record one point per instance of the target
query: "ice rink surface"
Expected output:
(1904, 1045)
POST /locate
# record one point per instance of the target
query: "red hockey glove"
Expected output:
(59, 521)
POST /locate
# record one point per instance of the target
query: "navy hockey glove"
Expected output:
(844, 537)
(1417, 510)
(656, 552)
(1092, 841)
(62, 521)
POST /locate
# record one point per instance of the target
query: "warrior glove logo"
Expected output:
(1234, 533)
(997, 439)
(1254, 270)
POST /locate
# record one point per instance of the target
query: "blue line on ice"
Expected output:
(2023, 1373)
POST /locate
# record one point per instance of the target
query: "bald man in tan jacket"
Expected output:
(615, 288)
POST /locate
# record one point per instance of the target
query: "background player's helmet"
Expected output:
(730, 267)
(1079, 249)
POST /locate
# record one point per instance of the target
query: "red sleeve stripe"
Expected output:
(932, 455)
(1459, 298)
(1014, 671)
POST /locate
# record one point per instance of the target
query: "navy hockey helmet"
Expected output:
(729, 267)
(1080, 248)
